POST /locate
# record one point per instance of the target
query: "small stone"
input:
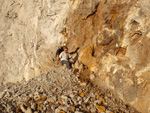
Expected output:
(74, 101)
(102, 99)
(82, 84)
(96, 94)
(82, 94)
(52, 99)
(18, 109)
(35, 112)
(80, 67)
(57, 110)
(26, 104)
(64, 97)
(85, 110)
(107, 111)
(124, 106)
(71, 95)
(28, 99)
(77, 64)
(2, 94)
(79, 98)
(28, 110)
(84, 105)
(49, 112)
(43, 98)
(80, 102)
(33, 106)
(39, 99)
(87, 99)
(40, 107)
(92, 76)
(71, 108)
(49, 108)
(30, 95)
(36, 93)
(78, 112)
(60, 101)
(100, 108)
(97, 102)
(63, 108)
(93, 110)
(62, 111)
(111, 112)
(109, 95)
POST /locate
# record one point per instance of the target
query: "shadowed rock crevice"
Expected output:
(93, 13)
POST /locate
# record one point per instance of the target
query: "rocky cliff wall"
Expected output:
(113, 37)
(29, 36)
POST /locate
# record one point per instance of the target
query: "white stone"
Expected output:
(64, 97)
(97, 102)
(78, 112)
(92, 76)
(107, 111)
(24, 110)
(83, 84)
(2, 94)
(52, 99)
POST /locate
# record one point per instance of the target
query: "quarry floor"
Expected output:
(59, 91)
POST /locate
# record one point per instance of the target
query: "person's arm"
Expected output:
(70, 57)
(58, 59)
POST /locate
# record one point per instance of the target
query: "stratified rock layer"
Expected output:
(113, 37)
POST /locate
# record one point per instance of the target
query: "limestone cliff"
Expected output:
(113, 37)
(29, 35)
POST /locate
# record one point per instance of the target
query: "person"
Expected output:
(64, 57)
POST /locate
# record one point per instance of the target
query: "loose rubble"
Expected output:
(58, 91)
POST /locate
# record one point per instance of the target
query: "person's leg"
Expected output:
(70, 62)
(67, 64)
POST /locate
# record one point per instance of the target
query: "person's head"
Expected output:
(65, 49)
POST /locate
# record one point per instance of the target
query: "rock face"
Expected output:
(113, 37)
(29, 34)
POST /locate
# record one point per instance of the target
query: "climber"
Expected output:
(64, 57)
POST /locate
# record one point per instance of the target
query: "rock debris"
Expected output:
(58, 91)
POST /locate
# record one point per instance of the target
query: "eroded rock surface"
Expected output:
(113, 37)
(29, 36)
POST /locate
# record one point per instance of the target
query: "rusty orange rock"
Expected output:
(28, 99)
(102, 99)
(88, 59)
(100, 108)
(40, 107)
(82, 94)
(62, 111)
(43, 98)
(71, 108)
(60, 101)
